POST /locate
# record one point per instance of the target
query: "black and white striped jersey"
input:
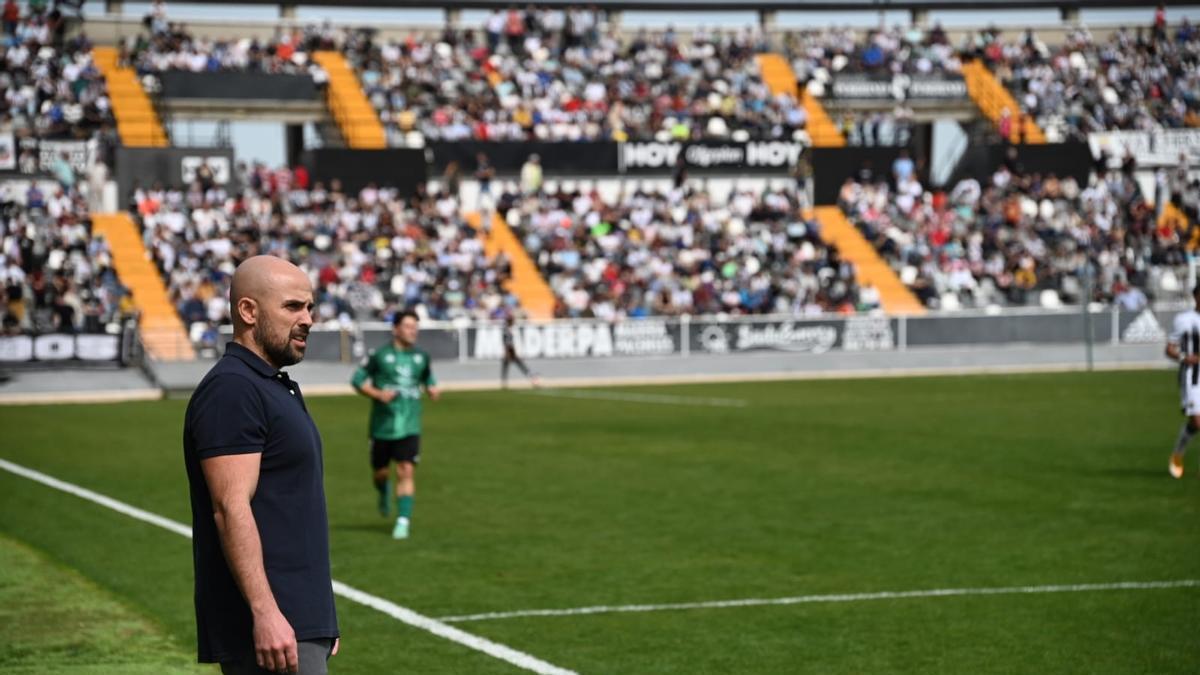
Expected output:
(1185, 332)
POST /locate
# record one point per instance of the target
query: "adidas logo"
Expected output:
(1144, 328)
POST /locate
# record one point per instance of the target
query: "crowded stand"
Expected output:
(51, 88)
(656, 253)
(171, 46)
(1018, 238)
(527, 75)
(369, 253)
(566, 76)
(818, 55)
(1139, 80)
(54, 275)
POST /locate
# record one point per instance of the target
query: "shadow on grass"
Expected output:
(382, 527)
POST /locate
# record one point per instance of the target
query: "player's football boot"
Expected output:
(400, 531)
(1176, 465)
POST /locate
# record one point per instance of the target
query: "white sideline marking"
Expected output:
(844, 597)
(630, 397)
(403, 614)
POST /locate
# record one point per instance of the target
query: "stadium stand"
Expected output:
(355, 118)
(567, 76)
(998, 105)
(526, 282)
(161, 329)
(676, 252)
(894, 244)
(58, 273)
(52, 87)
(171, 46)
(137, 121)
(1139, 80)
(816, 56)
(369, 253)
(1019, 239)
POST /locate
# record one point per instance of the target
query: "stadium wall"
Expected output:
(696, 336)
(401, 168)
(235, 86)
(597, 353)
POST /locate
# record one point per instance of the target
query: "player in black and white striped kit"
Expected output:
(1183, 346)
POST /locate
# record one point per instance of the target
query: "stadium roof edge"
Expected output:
(709, 5)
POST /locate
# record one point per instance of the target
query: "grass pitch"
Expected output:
(824, 487)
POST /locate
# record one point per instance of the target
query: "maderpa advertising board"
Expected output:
(650, 337)
(581, 339)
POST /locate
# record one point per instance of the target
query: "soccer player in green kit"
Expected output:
(393, 376)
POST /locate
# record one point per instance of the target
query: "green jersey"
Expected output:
(404, 371)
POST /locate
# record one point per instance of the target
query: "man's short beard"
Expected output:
(280, 353)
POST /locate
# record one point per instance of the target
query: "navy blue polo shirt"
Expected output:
(245, 405)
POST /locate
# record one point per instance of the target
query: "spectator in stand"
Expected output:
(10, 15)
(531, 175)
(484, 173)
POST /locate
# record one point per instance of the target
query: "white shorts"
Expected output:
(1189, 399)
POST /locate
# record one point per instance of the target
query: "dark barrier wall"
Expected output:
(400, 168)
(508, 156)
(832, 166)
(1043, 329)
(170, 166)
(237, 86)
(603, 157)
(1061, 159)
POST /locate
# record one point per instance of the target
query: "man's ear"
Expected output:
(247, 310)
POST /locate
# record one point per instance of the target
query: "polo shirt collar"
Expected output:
(251, 359)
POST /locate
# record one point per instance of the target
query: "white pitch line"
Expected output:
(402, 614)
(630, 397)
(844, 597)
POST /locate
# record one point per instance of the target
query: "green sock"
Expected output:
(404, 506)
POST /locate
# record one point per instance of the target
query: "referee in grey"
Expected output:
(264, 595)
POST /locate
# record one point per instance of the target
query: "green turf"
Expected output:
(55, 621)
(815, 487)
